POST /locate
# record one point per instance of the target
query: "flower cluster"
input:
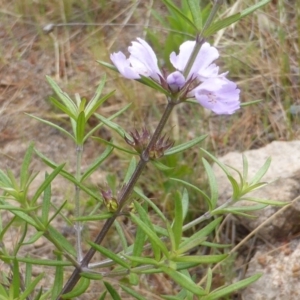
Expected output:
(203, 82)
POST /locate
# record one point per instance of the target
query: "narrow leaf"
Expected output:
(109, 254)
(261, 172)
(64, 97)
(54, 126)
(46, 183)
(114, 294)
(80, 128)
(132, 292)
(151, 234)
(58, 280)
(79, 289)
(62, 108)
(96, 163)
(206, 198)
(184, 281)
(185, 146)
(115, 127)
(46, 202)
(213, 186)
(178, 220)
(196, 13)
(24, 175)
(221, 292)
(204, 259)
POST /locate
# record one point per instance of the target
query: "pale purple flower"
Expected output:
(142, 61)
(218, 94)
(211, 89)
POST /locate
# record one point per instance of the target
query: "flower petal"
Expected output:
(123, 65)
(219, 95)
(144, 60)
(202, 66)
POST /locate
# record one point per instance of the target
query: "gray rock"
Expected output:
(281, 271)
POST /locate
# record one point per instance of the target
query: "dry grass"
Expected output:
(261, 53)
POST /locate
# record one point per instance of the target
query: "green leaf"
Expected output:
(109, 254)
(132, 293)
(36, 261)
(80, 128)
(98, 161)
(209, 275)
(151, 235)
(112, 291)
(138, 244)
(206, 198)
(102, 297)
(92, 275)
(103, 141)
(172, 7)
(185, 146)
(178, 220)
(130, 170)
(153, 84)
(142, 261)
(213, 186)
(261, 172)
(244, 104)
(204, 259)
(28, 274)
(265, 201)
(25, 174)
(46, 183)
(121, 235)
(46, 202)
(140, 193)
(66, 175)
(223, 291)
(58, 280)
(16, 279)
(161, 166)
(185, 203)
(64, 97)
(62, 108)
(203, 233)
(115, 127)
(29, 289)
(79, 289)
(54, 126)
(25, 217)
(232, 19)
(98, 217)
(110, 118)
(94, 104)
(60, 239)
(245, 168)
(196, 13)
(184, 281)
(34, 238)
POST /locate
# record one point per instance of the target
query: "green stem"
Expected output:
(200, 38)
(126, 192)
(78, 224)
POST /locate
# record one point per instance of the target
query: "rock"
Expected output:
(281, 271)
(284, 175)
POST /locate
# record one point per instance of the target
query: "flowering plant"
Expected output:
(168, 246)
(201, 81)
